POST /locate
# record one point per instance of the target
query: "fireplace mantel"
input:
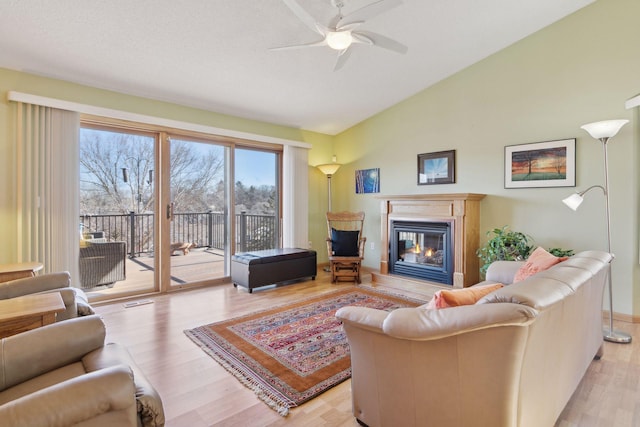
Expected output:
(463, 209)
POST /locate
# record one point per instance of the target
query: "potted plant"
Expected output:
(505, 245)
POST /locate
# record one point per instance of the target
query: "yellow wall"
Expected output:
(579, 70)
(542, 88)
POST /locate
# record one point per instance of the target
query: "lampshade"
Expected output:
(573, 201)
(604, 129)
(339, 40)
(329, 168)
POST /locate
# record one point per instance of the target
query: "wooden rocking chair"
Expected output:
(345, 245)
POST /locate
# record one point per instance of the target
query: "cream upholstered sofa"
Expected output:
(65, 375)
(512, 359)
(75, 300)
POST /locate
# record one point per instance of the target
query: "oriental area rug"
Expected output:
(290, 354)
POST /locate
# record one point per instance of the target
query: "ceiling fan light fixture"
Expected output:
(339, 40)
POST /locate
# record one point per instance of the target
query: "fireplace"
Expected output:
(423, 250)
(453, 231)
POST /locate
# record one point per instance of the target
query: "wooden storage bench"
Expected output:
(260, 268)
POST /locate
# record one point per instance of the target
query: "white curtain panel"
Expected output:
(295, 197)
(48, 187)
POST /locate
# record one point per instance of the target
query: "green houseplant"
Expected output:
(505, 245)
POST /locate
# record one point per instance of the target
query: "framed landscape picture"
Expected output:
(437, 168)
(540, 164)
(368, 181)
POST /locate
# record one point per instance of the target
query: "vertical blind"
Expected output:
(295, 197)
(48, 187)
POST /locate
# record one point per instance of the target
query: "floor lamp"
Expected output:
(329, 169)
(603, 131)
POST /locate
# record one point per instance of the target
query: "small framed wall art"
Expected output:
(368, 181)
(437, 168)
(540, 164)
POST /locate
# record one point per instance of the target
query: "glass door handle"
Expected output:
(170, 211)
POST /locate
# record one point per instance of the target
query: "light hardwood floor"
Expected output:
(197, 391)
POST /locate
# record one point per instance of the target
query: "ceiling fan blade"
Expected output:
(304, 16)
(349, 27)
(379, 40)
(343, 55)
(301, 46)
(370, 11)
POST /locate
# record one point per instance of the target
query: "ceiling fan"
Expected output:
(343, 30)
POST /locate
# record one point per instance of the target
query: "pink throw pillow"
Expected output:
(465, 296)
(539, 260)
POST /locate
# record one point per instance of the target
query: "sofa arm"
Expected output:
(149, 403)
(106, 394)
(503, 271)
(33, 353)
(365, 317)
(32, 285)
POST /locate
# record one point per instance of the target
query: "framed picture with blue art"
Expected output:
(368, 181)
(437, 168)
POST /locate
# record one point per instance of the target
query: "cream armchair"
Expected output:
(75, 300)
(64, 374)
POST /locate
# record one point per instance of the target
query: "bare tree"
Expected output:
(116, 173)
(194, 176)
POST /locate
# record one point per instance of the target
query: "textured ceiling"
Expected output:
(214, 54)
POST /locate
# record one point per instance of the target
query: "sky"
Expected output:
(255, 167)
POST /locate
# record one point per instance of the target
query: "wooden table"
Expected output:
(28, 312)
(19, 270)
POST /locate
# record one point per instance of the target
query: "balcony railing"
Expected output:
(204, 229)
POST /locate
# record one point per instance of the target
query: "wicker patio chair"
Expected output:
(102, 263)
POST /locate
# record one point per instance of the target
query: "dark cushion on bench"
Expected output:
(272, 255)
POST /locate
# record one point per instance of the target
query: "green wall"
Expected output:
(579, 70)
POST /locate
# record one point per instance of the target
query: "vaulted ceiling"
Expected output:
(215, 54)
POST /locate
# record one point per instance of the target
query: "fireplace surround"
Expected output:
(457, 212)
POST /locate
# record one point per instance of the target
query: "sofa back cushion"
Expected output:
(535, 292)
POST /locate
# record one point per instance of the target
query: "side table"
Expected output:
(19, 270)
(22, 314)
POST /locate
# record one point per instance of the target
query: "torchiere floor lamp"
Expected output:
(603, 131)
(329, 169)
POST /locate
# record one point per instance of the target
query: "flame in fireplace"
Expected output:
(428, 252)
(417, 249)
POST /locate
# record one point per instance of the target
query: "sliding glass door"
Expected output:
(256, 200)
(117, 211)
(198, 227)
(161, 210)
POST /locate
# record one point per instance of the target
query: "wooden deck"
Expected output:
(198, 265)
